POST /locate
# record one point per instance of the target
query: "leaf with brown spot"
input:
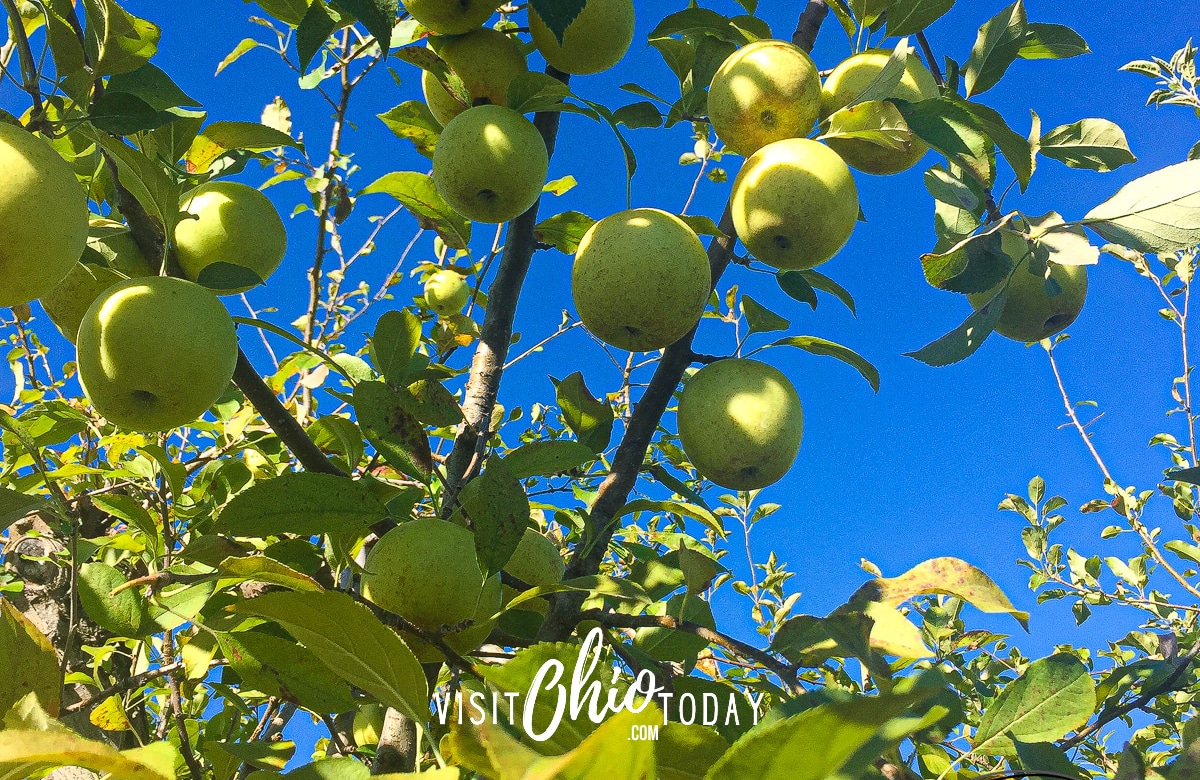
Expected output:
(396, 434)
(948, 576)
(29, 662)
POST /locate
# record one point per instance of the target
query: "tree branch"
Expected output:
(627, 463)
(487, 366)
(29, 72)
(281, 421)
(785, 673)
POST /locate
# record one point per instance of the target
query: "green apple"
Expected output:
(794, 203)
(486, 60)
(451, 17)
(490, 164)
(425, 571)
(1031, 312)
(233, 223)
(467, 640)
(740, 423)
(847, 82)
(155, 353)
(537, 563)
(43, 217)
(641, 279)
(764, 92)
(594, 41)
(69, 301)
(446, 292)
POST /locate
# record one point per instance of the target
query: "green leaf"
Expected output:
(117, 41)
(557, 15)
(820, 346)
(760, 318)
(702, 225)
(947, 576)
(975, 264)
(121, 114)
(952, 130)
(318, 24)
(245, 46)
(908, 17)
(812, 745)
(378, 16)
(227, 276)
(639, 115)
(397, 335)
(548, 458)
(124, 614)
(14, 506)
(797, 287)
(146, 181)
(883, 126)
(1016, 148)
(418, 194)
(591, 420)
(498, 509)
(153, 86)
(961, 343)
(595, 585)
(1094, 144)
(1051, 42)
(563, 231)
(692, 511)
(531, 92)
(1062, 244)
(820, 281)
(1159, 212)
(431, 403)
(304, 503)
(220, 138)
(24, 753)
(1053, 697)
(395, 433)
(352, 643)
(29, 661)
(996, 47)
(290, 12)
(685, 752)
(261, 569)
(280, 667)
(413, 121)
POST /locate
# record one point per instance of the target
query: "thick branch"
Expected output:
(809, 24)
(487, 366)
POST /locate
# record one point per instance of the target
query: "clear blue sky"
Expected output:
(913, 472)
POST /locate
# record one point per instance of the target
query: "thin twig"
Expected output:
(29, 71)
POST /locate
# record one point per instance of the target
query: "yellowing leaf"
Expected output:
(110, 715)
(948, 576)
(24, 752)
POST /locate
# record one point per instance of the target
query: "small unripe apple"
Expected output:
(640, 280)
(155, 353)
(490, 164)
(43, 217)
(765, 91)
(486, 60)
(794, 203)
(594, 41)
(69, 301)
(1031, 313)
(446, 292)
(233, 223)
(451, 17)
(740, 423)
(847, 82)
(425, 571)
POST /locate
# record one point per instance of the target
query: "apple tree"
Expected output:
(216, 568)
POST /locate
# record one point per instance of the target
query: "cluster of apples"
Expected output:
(153, 352)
